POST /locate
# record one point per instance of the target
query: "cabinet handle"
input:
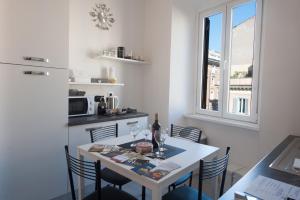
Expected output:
(91, 129)
(36, 73)
(131, 123)
(29, 58)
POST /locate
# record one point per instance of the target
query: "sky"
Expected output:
(240, 14)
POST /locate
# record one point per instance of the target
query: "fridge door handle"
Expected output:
(36, 59)
(36, 73)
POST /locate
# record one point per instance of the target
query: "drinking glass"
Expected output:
(147, 132)
(163, 137)
(134, 131)
(159, 138)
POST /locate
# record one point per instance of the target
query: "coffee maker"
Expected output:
(101, 105)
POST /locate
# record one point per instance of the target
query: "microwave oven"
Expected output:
(81, 106)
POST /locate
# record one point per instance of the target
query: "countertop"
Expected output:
(82, 120)
(262, 168)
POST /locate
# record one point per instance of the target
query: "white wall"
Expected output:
(157, 47)
(183, 55)
(279, 113)
(86, 40)
(165, 32)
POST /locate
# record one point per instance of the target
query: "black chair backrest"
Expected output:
(191, 133)
(85, 169)
(101, 133)
(211, 169)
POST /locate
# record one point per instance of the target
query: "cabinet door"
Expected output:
(78, 135)
(124, 125)
(33, 132)
(36, 29)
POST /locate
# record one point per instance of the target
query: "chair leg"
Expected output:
(191, 179)
(169, 188)
(120, 187)
(143, 193)
(174, 187)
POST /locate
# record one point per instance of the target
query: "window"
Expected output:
(240, 106)
(228, 67)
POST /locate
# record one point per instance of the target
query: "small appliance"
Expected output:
(112, 102)
(101, 105)
(81, 105)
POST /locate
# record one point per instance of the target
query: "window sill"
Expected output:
(227, 122)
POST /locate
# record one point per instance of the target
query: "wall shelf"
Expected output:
(97, 84)
(125, 60)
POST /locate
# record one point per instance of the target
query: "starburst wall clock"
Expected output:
(102, 16)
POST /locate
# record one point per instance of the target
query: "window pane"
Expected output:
(211, 64)
(241, 61)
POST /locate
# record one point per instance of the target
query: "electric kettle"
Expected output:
(112, 102)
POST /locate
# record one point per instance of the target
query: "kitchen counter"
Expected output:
(262, 168)
(82, 120)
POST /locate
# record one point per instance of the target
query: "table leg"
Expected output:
(156, 194)
(80, 179)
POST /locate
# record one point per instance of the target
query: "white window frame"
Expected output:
(220, 9)
(225, 63)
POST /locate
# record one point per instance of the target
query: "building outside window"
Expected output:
(240, 105)
(228, 64)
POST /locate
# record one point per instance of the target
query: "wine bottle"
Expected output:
(155, 127)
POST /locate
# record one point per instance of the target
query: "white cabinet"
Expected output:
(34, 28)
(124, 125)
(33, 130)
(78, 134)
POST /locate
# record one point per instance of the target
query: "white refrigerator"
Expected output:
(33, 132)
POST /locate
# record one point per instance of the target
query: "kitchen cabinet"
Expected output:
(124, 125)
(79, 136)
(35, 29)
(33, 132)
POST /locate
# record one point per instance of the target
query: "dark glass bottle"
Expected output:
(155, 127)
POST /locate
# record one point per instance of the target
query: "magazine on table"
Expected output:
(129, 158)
(156, 172)
(103, 148)
(135, 162)
(143, 169)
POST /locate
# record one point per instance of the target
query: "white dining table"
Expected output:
(188, 160)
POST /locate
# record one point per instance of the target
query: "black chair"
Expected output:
(91, 171)
(207, 170)
(190, 133)
(108, 175)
